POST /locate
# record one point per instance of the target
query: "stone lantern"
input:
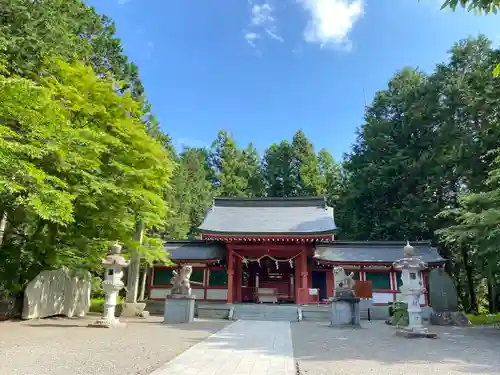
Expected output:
(411, 268)
(113, 264)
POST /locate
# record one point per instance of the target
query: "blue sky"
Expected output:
(262, 69)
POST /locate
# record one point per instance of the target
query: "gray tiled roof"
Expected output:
(301, 215)
(194, 250)
(374, 252)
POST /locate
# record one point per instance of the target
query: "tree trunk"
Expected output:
(142, 294)
(492, 290)
(134, 268)
(3, 225)
(470, 280)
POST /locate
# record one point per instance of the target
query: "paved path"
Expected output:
(67, 346)
(374, 350)
(243, 348)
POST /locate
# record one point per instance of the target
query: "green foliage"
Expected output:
(77, 169)
(234, 172)
(96, 288)
(34, 32)
(496, 71)
(484, 319)
(97, 304)
(398, 314)
(482, 6)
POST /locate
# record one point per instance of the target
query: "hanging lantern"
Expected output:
(290, 262)
(277, 265)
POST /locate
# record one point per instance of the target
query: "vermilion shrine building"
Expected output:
(280, 250)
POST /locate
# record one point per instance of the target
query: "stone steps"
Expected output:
(266, 313)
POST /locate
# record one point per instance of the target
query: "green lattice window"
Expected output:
(162, 276)
(380, 280)
(217, 278)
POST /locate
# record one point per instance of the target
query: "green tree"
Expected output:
(33, 32)
(77, 170)
(277, 170)
(231, 171)
(190, 194)
(305, 166)
(331, 178)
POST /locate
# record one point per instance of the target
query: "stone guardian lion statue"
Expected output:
(343, 281)
(180, 281)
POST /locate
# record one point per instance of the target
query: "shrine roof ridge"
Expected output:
(269, 216)
(400, 243)
(314, 201)
(374, 252)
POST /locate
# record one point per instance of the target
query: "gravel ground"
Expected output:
(68, 347)
(373, 349)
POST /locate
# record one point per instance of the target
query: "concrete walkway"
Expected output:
(243, 348)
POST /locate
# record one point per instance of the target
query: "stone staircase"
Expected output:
(266, 312)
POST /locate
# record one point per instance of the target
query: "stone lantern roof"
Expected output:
(410, 261)
(115, 257)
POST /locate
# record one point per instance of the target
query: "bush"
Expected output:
(484, 319)
(97, 304)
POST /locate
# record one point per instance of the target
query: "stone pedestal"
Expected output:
(344, 312)
(179, 309)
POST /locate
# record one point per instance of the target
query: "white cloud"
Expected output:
(251, 38)
(331, 20)
(262, 22)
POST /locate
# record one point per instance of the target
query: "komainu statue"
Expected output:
(344, 284)
(180, 281)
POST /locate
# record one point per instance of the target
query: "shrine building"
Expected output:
(281, 250)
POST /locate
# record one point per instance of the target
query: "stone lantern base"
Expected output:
(107, 323)
(415, 334)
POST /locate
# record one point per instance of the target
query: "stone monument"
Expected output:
(344, 308)
(57, 292)
(444, 300)
(411, 290)
(113, 273)
(179, 304)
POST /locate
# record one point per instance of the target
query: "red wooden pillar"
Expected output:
(297, 284)
(230, 274)
(304, 273)
(238, 278)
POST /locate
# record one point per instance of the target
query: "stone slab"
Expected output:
(134, 310)
(243, 348)
(178, 310)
